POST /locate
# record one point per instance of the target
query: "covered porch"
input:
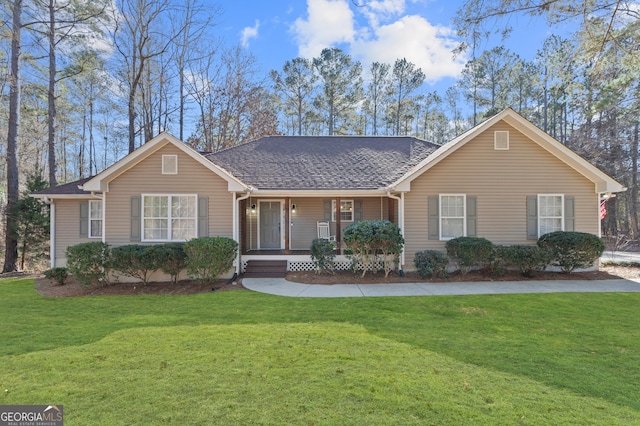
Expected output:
(283, 227)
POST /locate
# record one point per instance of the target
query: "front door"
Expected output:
(270, 224)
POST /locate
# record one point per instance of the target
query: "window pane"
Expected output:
(95, 209)
(184, 206)
(156, 206)
(183, 229)
(550, 225)
(346, 210)
(156, 229)
(452, 206)
(551, 206)
(452, 228)
(96, 228)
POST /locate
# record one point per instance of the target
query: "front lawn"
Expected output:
(248, 358)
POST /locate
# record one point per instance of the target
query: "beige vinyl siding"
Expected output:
(304, 222)
(146, 178)
(67, 229)
(501, 180)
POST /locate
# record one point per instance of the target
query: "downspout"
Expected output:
(400, 224)
(236, 227)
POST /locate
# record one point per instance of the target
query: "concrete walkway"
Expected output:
(620, 256)
(282, 287)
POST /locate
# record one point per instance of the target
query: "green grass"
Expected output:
(247, 358)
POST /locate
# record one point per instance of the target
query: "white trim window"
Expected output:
(453, 221)
(169, 164)
(550, 213)
(95, 219)
(346, 210)
(169, 217)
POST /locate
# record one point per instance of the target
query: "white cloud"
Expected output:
(382, 34)
(248, 33)
(375, 11)
(328, 22)
(414, 38)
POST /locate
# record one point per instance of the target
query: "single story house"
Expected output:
(505, 180)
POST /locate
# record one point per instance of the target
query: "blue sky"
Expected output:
(382, 30)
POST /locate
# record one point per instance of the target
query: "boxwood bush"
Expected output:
(210, 257)
(134, 261)
(89, 263)
(170, 258)
(431, 263)
(470, 252)
(323, 255)
(59, 275)
(572, 250)
(525, 259)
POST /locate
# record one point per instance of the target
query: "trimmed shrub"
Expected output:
(89, 262)
(170, 258)
(210, 257)
(59, 275)
(526, 259)
(134, 261)
(572, 250)
(470, 252)
(369, 238)
(323, 254)
(431, 263)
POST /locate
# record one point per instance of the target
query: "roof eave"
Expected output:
(318, 192)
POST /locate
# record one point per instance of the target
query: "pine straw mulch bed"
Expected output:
(604, 273)
(49, 288)
(72, 289)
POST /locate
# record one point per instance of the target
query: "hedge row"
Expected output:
(567, 250)
(204, 259)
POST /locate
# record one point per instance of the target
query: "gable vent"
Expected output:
(501, 140)
(169, 164)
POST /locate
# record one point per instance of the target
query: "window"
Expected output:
(452, 216)
(550, 213)
(95, 219)
(346, 210)
(501, 140)
(169, 164)
(169, 217)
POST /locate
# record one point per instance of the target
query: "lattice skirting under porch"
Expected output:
(307, 265)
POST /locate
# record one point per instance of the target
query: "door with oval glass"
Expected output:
(270, 229)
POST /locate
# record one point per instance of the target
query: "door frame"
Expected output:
(280, 202)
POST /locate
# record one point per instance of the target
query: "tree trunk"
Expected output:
(633, 202)
(11, 240)
(51, 142)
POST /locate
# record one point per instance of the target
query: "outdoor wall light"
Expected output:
(253, 208)
(293, 208)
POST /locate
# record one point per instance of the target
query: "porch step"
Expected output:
(266, 269)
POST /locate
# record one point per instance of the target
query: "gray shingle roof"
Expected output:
(70, 188)
(323, 162)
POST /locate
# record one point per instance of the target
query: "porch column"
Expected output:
(243, 227)
(392, 210)
(338, 228)
(287, 225)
